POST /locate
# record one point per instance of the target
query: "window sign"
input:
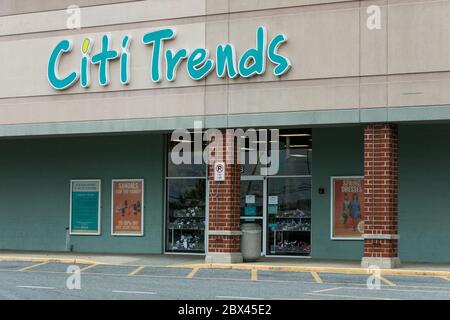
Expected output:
(273, 200)
(272, 207)
(85, 207)
(250, 199)
(128, 207)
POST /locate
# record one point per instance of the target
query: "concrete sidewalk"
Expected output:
(198, 261)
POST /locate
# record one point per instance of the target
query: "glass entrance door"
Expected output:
(282, 207)
(281, 203)
(253, 208)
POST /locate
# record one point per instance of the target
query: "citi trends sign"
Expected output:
(198, 65)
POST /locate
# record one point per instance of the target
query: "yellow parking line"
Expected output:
(388, 282)
(445, 278)
(135, 271)
(316, 277)
(192, 273)
(345, 270)
(88, 267)
(33, 266)
(254, 274)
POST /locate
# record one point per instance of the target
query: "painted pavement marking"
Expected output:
(328, 289)
(345, 296)
(136, 271)
(134, 292)
(254, 275)
(192, 273)
(236, 297)
(316, 277)
(36, 287)
(33, 266)
(388, 282)
(89, 267)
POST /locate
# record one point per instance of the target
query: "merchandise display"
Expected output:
(291, 226)
(187, 224)
(188, 243)
(186, 229)
(291, 247)
(289, 232)
(297, 213)
(188, 212)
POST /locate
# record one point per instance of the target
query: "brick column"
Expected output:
(224, 235)
(380, 194)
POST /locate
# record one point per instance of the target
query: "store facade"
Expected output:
(353, 95)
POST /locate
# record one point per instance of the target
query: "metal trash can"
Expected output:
(251, 241)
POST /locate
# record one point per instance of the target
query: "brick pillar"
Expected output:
(380, 194)
(224, 236)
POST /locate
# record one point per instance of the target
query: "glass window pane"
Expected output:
(289, 216)
(185, 170)
(252, 200)
(294, 151)
(186, 215)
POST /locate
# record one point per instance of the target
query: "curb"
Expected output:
(361, 271)
(47, 259)
(316, 269)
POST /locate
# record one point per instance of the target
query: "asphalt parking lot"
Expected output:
(48, 280)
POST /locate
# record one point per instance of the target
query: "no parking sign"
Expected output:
(219, 171)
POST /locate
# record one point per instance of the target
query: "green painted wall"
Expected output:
(337, 151)
(35, 187)
(424, 193)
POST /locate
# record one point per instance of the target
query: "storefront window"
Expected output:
(289, 216)
(295, 152)
(185, 170)
(186, 207)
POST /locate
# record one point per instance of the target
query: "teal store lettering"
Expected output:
(199, 63)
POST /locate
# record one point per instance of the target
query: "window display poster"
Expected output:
(127, 207)
(250, 199)
(85, 207)
(347, 221)
(250, 210)
(273, 200)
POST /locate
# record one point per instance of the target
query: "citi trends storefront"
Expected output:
(344, 105)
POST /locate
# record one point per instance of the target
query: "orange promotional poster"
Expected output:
(127, 206)
(347, 208)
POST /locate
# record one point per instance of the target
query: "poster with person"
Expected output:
(127, 207)
(347, 199)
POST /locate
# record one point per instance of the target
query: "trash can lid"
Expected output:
(250, 226)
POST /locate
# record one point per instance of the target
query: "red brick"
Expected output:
(380, 188)
(224, 209)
